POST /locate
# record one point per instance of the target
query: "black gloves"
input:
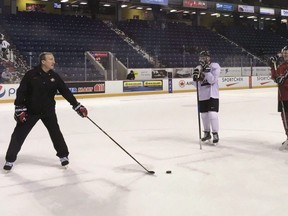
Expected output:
(81, 110)
(274, 61)
(281, 79)
(20, 114)
(274, 58)
(197, 73)
(204, 64)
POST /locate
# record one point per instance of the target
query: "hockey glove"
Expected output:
(197, 73)
(20, 114)
(81, 110)
(273, 61)
(204, 64)
(281, 79)
(207, 69)
(274, 58)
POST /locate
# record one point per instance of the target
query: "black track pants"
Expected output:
(22, 130)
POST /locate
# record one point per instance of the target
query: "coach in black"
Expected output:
(35, 101)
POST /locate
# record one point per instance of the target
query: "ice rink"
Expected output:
(245, 175)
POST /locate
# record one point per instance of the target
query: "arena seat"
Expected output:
(177, 44)
(68, 37)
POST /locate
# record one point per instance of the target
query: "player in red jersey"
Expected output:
(279, 73)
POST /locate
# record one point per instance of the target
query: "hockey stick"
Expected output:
(285, 144)
(198, 113)
(148, 171)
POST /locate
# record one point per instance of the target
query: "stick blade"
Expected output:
(284, 146)
(151, 172)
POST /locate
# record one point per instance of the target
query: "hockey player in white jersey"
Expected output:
(206, 74)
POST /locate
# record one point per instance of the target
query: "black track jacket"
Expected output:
(37, 91)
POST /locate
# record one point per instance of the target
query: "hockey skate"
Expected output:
(284, 146)
(215, 138)
(207, 136)
(8, 166)
(64, 162)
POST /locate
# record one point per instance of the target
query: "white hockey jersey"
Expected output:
(209, 87)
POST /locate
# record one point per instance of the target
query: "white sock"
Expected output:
(213, 117)
(205, 121)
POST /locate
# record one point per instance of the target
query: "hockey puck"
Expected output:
(168, 172)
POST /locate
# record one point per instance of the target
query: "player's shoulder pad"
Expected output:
(214, 65)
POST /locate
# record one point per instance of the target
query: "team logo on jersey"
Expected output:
(205, 83)
(2, 91)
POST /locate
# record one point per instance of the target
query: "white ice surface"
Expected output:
(245, 175)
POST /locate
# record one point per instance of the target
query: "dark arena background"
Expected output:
(138, 34)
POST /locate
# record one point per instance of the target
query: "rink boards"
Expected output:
(155, 86)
